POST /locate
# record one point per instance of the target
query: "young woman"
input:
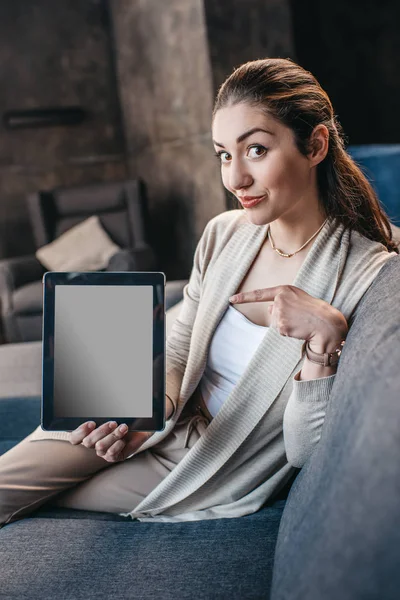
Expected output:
(252, 356)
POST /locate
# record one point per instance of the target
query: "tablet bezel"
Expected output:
(51, 280)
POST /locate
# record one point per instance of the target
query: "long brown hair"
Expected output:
(294, 97)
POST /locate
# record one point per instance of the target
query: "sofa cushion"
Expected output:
(18, 418)
(87, 558)
(20, 369)
(30, 327)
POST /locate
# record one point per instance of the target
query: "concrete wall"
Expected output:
(171, 58)
(55, 54)
(166, 96)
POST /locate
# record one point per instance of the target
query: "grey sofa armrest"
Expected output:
(139, 259)
(174, 292)
(339, 534)
(16, 272)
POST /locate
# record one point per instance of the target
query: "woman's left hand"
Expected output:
(294, 313)
(108, 440)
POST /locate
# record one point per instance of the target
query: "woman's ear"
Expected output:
(319, 144)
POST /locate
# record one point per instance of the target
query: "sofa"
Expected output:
(123, 214)
(334, 534)
(381, 165)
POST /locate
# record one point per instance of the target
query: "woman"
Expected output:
(252, 356)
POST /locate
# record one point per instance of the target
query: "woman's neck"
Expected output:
(290, 234)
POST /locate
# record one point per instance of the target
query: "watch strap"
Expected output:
(326, 359)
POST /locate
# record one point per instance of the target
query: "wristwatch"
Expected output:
(327, 359)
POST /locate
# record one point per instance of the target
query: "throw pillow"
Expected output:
(85, 247)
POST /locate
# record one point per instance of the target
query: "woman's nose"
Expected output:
(239, 177)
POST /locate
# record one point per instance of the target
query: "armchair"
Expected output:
(122, 211)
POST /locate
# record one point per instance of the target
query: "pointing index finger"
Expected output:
(260, 295)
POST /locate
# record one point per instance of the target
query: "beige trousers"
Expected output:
(56, 473)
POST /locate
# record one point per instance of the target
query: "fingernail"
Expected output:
(233, 299)
(123, 428)
(112, 424)
(91, 425)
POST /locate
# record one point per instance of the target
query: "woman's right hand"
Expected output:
(112, 442)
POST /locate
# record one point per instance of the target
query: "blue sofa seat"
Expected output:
(381, 165)
(82, 555)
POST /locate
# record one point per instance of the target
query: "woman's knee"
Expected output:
(35, 471)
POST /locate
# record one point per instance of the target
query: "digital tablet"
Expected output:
(103, 350)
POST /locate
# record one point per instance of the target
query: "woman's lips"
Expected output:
(250, 201)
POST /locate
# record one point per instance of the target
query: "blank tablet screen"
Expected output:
(103, 351)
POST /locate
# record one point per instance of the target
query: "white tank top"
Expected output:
(234, 342)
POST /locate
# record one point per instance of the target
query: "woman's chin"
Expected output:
(257, 217)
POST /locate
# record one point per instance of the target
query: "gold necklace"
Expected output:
(303, 246)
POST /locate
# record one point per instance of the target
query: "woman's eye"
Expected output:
(223, 156)
(256, 151)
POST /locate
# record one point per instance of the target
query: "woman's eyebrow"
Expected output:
(246, 135)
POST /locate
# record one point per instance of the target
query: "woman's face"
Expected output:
(261, 165)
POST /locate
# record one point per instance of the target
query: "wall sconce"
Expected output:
(44, 117)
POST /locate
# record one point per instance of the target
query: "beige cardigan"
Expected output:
(241, 461)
